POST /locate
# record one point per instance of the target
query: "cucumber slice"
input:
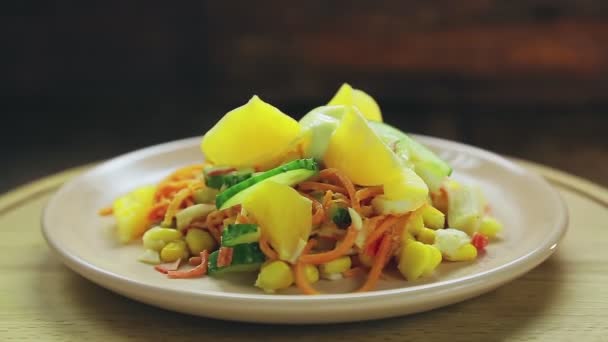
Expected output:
(236, 234)
(218, 177)
(426, 164)
(214, 175)
(237, 177)
(289, 174)
(245, 258)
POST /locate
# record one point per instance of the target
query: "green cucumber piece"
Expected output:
(290, 173)
(236, 234)
(218, 177)
(184, 217)
(245, 258)
(426, 164)
(214, 175)
(237, 177)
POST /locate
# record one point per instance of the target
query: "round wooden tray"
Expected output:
(565, 298)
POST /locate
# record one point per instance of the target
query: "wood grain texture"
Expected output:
(563, 299)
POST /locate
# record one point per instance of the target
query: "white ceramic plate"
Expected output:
(533, 214)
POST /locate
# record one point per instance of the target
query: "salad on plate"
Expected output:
(337, 194)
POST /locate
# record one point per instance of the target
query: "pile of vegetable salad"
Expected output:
(337, 194)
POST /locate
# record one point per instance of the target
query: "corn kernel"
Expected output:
(490, 226)
(158, 237)
(312, 273)
(274, 275)
(199, 240)
(427, 236)
(434, 260)
(414, 260)
(432, 217)
(173, 251)
(336, 266)
(467, 252)
(415, 223)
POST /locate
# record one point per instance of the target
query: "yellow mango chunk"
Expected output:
(349, 96)
(284, 216)
(434, 260)
(131, 212)
(250, 135)
(355, 149)
(414, 260)
(402, 194)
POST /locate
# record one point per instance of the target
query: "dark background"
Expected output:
(85, 81)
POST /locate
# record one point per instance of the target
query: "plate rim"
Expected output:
(517, 266)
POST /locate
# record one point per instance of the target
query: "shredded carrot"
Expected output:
(106, 211)
(300, 275)
(379, 263)
(319, 214)
(241, 219)
(353, 272)
(168, 187)
(327, 198)
(348, 185)
(398, 229)
(375, 234)
(341, 249)
(158, 211)
(224, 256)
(164, 268)
(266, 249)
(195, 260)
(174, 205)
(199, 270)
(318, 186)
(185, 173)
(366, 193)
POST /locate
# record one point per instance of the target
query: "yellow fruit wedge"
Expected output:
(131, 212)
(414, 259)
(402, 194)
(349, 96)
(250, 135)
(355, 149)
(284, 217)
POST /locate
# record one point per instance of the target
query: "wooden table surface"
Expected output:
(565, 298)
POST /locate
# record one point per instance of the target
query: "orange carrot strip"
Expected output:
(106, 211)
(353, 272)
(327, 198)
(341, 249)
(158, 211)
(199, 270)
(366, 193)
(348, 185)
(301, 280)
(266, 249)
(379, 263)
(241, 219)
(187, 172)
(174, 205)
(305, 186)
(164, 268)
(379, 231)
(195, 260)
(319, 214)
